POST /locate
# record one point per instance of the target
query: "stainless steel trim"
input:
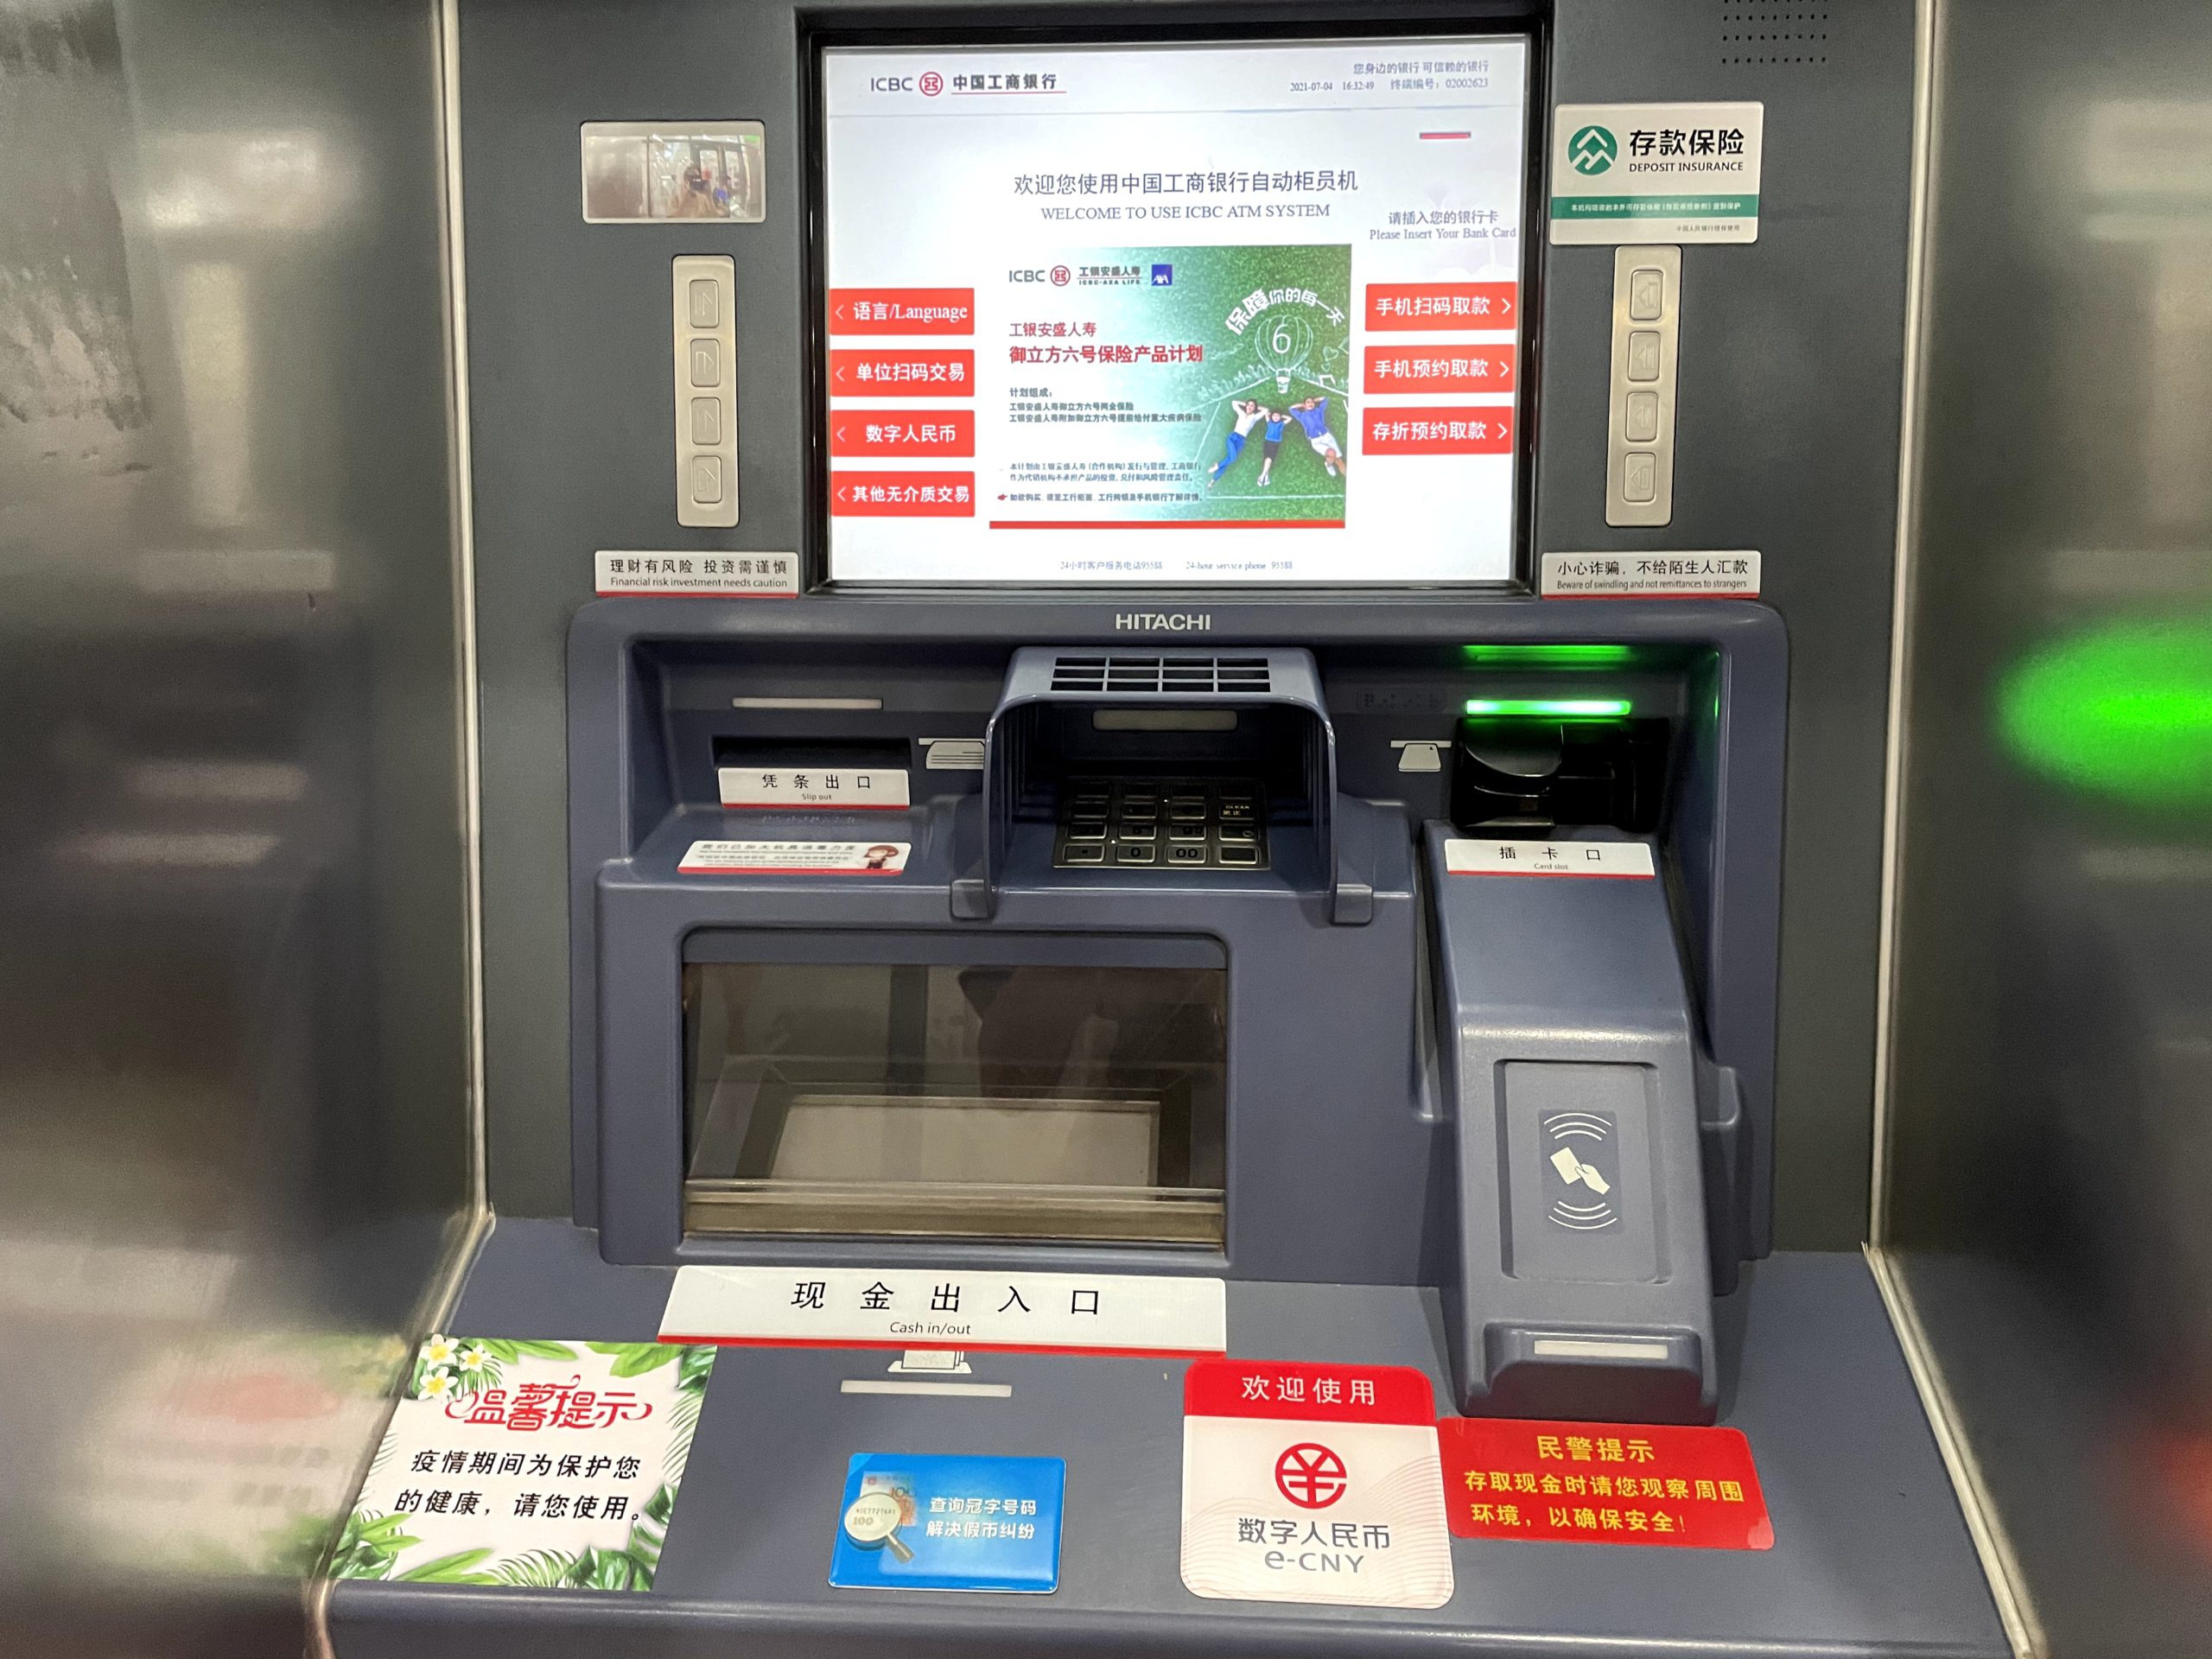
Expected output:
(1627, 328)
(687, 271)
(1591, 1348)
(854, 704)
(1926, 66)
(465, 1234)
(1992, 1543)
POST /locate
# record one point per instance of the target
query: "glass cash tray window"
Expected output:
(974, 1102)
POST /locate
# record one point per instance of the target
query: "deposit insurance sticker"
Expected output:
(1603, 1484)
(1312, 1483)
(1656, 172)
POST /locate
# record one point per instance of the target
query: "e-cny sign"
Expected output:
(1303, 1483)
(1603, 1484)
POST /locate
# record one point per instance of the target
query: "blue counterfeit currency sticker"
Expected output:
(949, 1523)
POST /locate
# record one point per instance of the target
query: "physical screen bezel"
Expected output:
(1203, 26)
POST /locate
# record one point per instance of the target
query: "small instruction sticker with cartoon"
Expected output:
(549, 1464)
(796, 858)
(918, 1522)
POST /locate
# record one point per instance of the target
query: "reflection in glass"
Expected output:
(635, 172)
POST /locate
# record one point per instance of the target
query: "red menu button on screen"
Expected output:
(893, 372)
(902, 495)
(1461, 429)
(917, 432)
(1443, 307)
(902, 310)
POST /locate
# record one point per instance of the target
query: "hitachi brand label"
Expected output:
(1163, 621)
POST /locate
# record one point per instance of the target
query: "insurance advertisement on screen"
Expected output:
(1198, 313)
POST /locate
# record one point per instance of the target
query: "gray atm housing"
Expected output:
(1398, 1038)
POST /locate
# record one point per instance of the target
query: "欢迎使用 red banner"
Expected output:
(902, 495)
(893, 372)
(1452, 430)
(902, 310)
(1442, 308)
(1440, 368)
(921, 433)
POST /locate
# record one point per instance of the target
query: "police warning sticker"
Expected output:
(1656, 172)
(1603, 1484)
(1312, 1483)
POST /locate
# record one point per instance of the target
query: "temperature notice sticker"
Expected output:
(1312, 1483)
(1603, 1484)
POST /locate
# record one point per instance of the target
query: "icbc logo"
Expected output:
(932, 84)
(1060, 276)
(1310, 1475)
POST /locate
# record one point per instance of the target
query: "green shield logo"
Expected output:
(1591, 151)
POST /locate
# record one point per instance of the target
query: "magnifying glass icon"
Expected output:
(873, 1520)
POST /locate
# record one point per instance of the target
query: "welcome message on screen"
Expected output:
(1174, 313)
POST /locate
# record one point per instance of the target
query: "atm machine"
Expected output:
(1164, 751)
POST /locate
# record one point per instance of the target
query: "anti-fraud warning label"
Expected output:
(796, 858)
(553, 1465)
(910, 1521)
(1312, 1483)
(1656, 172)
(1649, 576)
(1603, 1484)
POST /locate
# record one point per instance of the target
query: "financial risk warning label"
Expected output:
(1603, 1484)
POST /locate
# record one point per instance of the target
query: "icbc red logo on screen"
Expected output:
(1061, 275)
(932, 84)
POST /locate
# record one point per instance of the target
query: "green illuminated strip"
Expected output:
(1554, 656)
(1555, 706)
(1653, 206)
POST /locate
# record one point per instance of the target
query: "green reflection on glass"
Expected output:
(2126, 711)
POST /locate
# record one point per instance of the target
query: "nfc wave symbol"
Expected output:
(1582, 1152)
(1591, 151)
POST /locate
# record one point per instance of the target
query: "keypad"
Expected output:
(1163, 824)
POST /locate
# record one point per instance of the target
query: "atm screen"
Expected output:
(1167, 313)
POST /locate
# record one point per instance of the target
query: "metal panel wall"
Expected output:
(234, 1054)
(2044, 1214)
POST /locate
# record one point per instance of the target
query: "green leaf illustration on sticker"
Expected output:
(455, 1568)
